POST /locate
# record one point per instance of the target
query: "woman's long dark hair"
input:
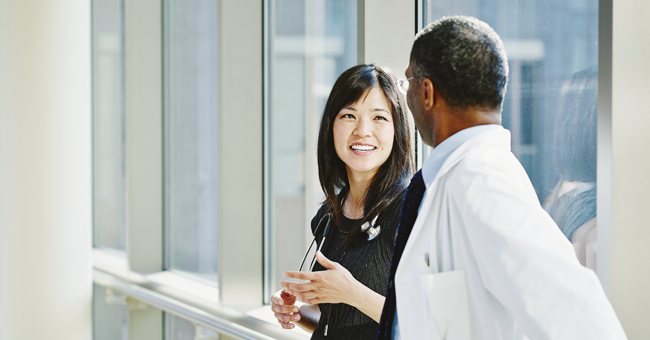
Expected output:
(575, 152)
(393, 176)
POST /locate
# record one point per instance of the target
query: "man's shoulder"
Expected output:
(487, 160)
(488, 167)
(490, 149)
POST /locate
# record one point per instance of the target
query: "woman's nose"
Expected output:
(363, 128)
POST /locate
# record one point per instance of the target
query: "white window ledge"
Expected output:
(189, 299)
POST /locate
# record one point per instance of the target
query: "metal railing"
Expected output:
(228, 323)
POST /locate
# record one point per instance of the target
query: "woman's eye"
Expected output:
(348, 115)
(381, 118)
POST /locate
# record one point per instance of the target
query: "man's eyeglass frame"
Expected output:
(403, 84)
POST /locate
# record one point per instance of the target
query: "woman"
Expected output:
(365, 162)
(572, 204)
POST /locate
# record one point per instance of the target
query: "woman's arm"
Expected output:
(335, 285)
(368, 302)
(309, 317)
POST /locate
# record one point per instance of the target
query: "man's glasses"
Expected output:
(403, 84)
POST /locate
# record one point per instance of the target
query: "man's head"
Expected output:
(460, 60)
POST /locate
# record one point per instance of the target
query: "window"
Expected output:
(181, 329)
(108, 124)
(110, 314)
(190, 136)
(310, 43)
(551, 101)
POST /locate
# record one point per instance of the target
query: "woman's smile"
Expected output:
(362, 149)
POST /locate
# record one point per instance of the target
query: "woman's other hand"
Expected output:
(283, 305)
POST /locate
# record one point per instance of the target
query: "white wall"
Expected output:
(624, 139)
(45, 170)
(386, 31)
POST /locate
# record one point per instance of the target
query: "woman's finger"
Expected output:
(284, 309)
(276, 300)
(316, 300)
(324, 261)
(287, 317)
(309, 295)
(296, 275)
(306, 276)
(298, 295)
(286, 325)
(293, 287)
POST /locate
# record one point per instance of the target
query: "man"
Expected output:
(476, 256)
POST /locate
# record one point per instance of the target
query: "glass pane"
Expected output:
(551, 101)
(180, 329)
(310, 43)
(190, 119)
(109, 316)
(108, 124)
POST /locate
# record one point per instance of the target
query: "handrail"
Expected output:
(183, 310)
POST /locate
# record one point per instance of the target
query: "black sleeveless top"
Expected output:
(369, 263)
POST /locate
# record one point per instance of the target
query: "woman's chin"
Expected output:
(363, 170)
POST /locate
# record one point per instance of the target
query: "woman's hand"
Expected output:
(334, 285)
(282, 304)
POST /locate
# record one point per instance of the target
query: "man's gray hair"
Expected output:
(465, 60)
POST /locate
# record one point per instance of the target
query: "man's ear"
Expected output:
(429, 94)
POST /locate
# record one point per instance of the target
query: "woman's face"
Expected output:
(363, 133)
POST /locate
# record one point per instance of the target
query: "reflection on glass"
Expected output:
(109, 316)
(190, 136)
(180, 329)
(548, 43)
(572, 204)
(310, 42)
(108, 124)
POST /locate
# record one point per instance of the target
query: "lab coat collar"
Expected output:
(496, 138)
(440, 153)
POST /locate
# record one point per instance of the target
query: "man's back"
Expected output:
(482, 260)
(481, 232)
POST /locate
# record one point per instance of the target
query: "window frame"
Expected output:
(143, 264)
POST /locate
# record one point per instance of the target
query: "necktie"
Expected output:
(410, 206)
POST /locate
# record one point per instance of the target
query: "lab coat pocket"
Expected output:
(447, 295)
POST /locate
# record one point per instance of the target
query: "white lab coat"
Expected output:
(485, 261)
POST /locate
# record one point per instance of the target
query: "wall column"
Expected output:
(240, 154)
(385, 33)
(624, 161)
(45, 170)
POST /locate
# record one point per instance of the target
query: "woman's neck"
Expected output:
(353, 207)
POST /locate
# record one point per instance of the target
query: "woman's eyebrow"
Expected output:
(380, 109)
(349, 108)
